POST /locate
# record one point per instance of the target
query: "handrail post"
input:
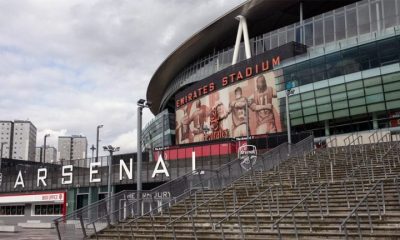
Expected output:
(58, 230)
(83, 226)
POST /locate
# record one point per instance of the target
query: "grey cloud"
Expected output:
(70, 65)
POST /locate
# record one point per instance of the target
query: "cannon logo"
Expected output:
(247, 155)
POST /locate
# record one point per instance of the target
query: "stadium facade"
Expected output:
(339, 60)
(343, 73)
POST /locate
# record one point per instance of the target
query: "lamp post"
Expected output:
(111, 150)
(97, 142)
(247, 123)
(289, 92)
(44, 147)
(141, 104)
(93, 148)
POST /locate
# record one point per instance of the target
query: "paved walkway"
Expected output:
(30, 234)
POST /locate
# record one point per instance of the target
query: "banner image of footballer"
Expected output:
(222, 114)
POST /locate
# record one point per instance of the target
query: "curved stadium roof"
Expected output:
(266, 15)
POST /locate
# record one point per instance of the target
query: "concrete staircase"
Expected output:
(307, 197)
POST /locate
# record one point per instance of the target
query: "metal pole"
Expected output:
(139, 158)
(288, 120)
(247, 123)
(92, 148)
(44, 148)
(109, 181)
(97, 142)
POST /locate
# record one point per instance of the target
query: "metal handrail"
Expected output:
(365, 199)
(95, 204)
(297, 204)
(217, 170)
(222, 168)
(214, 197)
(245, 205)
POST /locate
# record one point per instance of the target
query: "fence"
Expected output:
(193, 184)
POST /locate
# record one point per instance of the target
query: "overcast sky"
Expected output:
(71, 65)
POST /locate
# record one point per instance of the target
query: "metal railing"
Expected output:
(270, 160)
(378, 190)
(304, 204)
(193, 184)
(74, 225)
(256, 203)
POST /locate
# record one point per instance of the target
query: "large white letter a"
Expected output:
(162, 170)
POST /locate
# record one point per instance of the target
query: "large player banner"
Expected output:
(222, 114)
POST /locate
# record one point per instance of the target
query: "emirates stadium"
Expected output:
(278, 120)
(339, 59)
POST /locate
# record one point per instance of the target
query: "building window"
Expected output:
(12, 210)
(48, 209)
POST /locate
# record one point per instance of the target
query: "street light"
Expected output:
(111, 150)
(97, 142)
(141, 104)
(44, 147)
(289, 92)
(93, 148)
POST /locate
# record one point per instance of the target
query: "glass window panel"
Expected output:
(304, 73)
(392, 96)
(324, 108)
(294, 98)
(363, 19)
(319, 32)
(307, 95)
(274, 41)
(309, 119)
(282, 37)
(322, 92)
(354, 85)
(338, 88)
(374, 98)
(391, 86)
(317, 66)
(325, 116)
(341, 113)
(334, 65)
(309, 111)
(372, 81)
(351, 22)
(323, 100)
(308, 103)
(389, 9)
(329, 34)
(308, 31)
(338, 97)
(296, 121)
(376, 107)
(294, 106)
(388, 51)
(350, 63)
(393, 77)
(358, 110)
(373, 90)
(340, 28)
(357, 102)
(290, 35)
(267, 45)
(355, 93)
(368, 56)
(296, 114)
(339, 105)
(393, 104)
